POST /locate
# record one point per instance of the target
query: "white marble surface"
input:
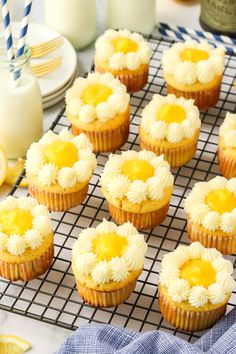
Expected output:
(47, 338)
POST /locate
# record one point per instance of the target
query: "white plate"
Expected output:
(54, 81)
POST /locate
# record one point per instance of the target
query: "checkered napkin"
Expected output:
(105, 339)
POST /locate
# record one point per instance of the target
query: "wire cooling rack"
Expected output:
(53, 297)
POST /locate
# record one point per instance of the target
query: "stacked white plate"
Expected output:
(53, 85)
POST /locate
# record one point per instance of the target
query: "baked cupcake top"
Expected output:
(191, 62)
(137, 176)
(23, 225)
(170, 118)
(213, 204)
(109, 253)
(98, 97)
(197, 275)
(122, 50)
(228, 131)
(61, 160)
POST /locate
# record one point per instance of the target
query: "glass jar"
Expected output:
(74, 19)
(219, 16)
(134, 15)
(21, 114)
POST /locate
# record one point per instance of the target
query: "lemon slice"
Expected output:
(13, 345)
(3, 165)
(14, 172)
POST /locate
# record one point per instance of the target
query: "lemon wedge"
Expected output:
(3, 165)
(13, 173)
(13, 345)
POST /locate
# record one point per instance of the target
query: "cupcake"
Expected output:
(99, 107)
(227, 146)
(26, 239)
(194, 70)
(137, 187)
(106, 262)
(170, 126)
(195, 285)
(211, 214)
(59, 168)
(124, 54)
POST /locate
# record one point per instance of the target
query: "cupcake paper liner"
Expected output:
(141, 221)
(108, 140)
(176, 156)
(227, 164)
(133, 81)
(27, 270)
(225, 243)
(58, 201)
(202, 99)
(188, 320)
(105, 298)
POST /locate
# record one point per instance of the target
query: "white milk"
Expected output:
(75, 19)
(20, 112)
(134, 15)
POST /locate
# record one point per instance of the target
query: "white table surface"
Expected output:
(47, 338)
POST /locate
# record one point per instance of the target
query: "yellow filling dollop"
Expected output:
(124, 45)
(198, 272)
(107, 246)
(194, 55)
(95, 94)
(62, 154)
(137, 169)
(221, 200)
(16, 221)
(171, 113)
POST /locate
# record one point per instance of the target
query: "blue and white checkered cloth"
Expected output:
(105, 339)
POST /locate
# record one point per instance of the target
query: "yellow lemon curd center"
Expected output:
(107, 246)
(124, 45)
(137, 169)
(194, 55)
(171, 113)
(62, 154)
(221, 200)
(198, 272)
(95, 94)
(16, 221)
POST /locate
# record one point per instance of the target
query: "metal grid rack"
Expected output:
(53, 297)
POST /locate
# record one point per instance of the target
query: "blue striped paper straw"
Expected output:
(176, 35)
(8, 32)
(202, 34)
(23, 33)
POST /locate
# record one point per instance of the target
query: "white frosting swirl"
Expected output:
(116, 103)
(82, 169)
(215, 294)
(33, 239)
(127, 229)
(134, 257)
(198, 296)
(119, 186)
(155, 188)
(169, 274)
(42, 225)
(16, 245)
(67, 177)
(137, 192)
(226, 282)
(101, 273)
(119, 269)
(85, 263)
(179, 290)
(48, 174)
(196, 250)
(187, 72)
(106, 227)
(3, 241)
(105, 51)
(228, 130)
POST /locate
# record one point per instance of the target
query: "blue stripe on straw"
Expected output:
(23, 32)
(170, 31)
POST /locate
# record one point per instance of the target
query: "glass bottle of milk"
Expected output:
(75, 19)
(21, 114)
(134, 15)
